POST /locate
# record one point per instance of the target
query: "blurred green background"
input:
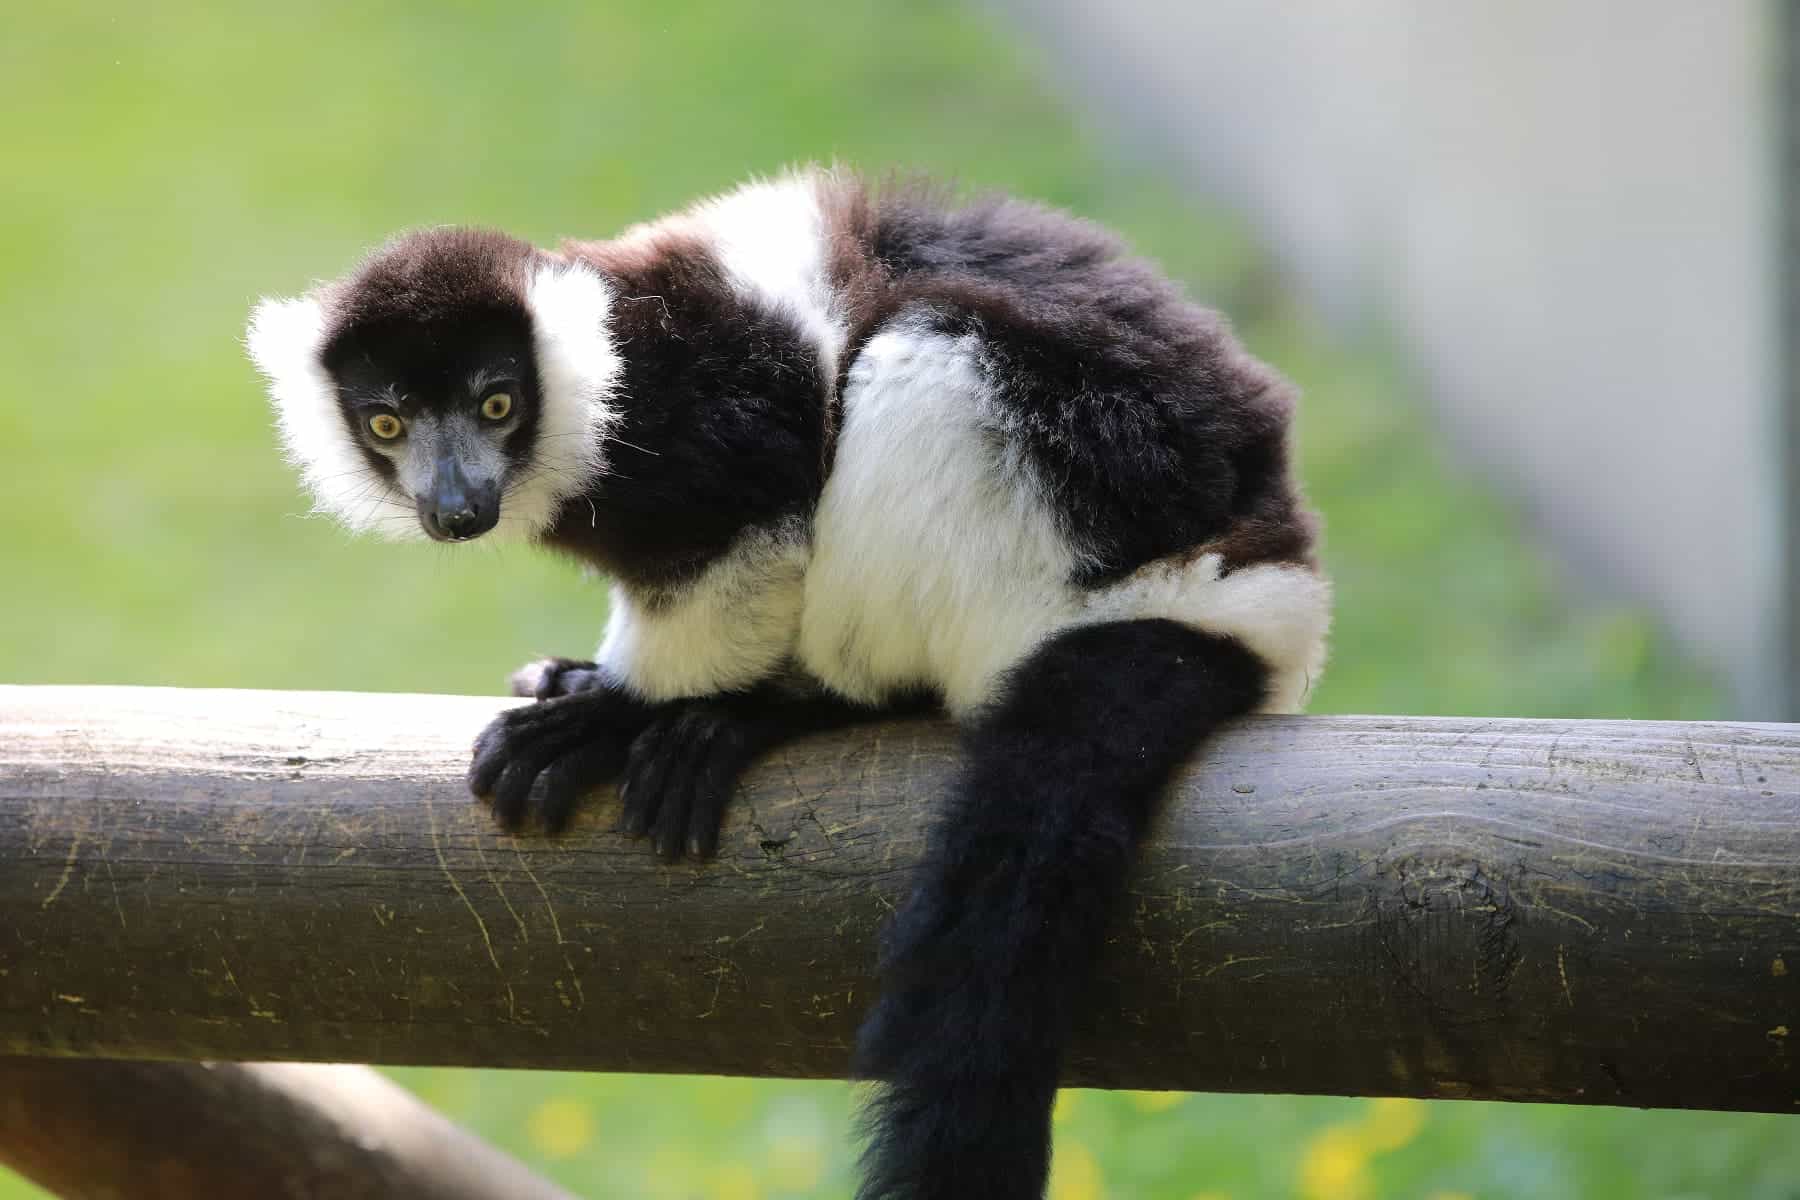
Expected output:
(166, 164)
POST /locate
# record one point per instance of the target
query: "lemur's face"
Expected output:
(459, 382)
(446, 413)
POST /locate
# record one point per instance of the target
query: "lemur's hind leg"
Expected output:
(985, 963)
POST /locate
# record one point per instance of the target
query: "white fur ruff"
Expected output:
(578, 367)
(284, 340)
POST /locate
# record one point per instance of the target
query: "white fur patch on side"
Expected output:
(1280, 611)
(578, 368)
(731, 627)
(934, 561)
(770, 237)
(285, 339)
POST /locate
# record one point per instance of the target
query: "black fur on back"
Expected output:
(1149, 429)
(985, 964)
(722, 417)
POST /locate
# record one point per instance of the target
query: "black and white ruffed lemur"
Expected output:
(839, 446)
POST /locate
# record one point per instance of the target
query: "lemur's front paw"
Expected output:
(550, 677)
(576, 743)
(679, 774)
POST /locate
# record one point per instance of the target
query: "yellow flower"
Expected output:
(560, 1126)
(1155, 1102)
(734, 1181)
(795, 1163)
(1391, 1122)
(1074, 1175)
(1335, 1166)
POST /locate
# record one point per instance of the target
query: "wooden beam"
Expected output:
(1593, 912)
(94, 1129)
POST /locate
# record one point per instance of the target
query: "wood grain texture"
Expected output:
(1592, 912)
(99, 1129)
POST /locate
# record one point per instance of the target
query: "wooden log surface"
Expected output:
(101, 1129)
(1595, 912)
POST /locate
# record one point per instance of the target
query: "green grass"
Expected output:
(167, 163)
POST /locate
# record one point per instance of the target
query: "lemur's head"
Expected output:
(459, 380)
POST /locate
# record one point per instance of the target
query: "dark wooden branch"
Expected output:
(1593, 912)
(95, 1129)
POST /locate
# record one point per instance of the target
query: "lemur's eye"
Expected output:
(386, 426)
(496, 406)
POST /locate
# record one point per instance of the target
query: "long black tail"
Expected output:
(985, 962)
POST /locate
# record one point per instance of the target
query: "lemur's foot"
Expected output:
(681, 771)
(574, 742)
(548, 677)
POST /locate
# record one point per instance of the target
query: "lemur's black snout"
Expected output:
(456, 508)
(461, 524)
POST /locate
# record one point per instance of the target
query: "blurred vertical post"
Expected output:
(1785, 23)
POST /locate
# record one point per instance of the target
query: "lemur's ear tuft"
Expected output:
(285, 336)
(578, 373)
(286, 341)
(569, 304)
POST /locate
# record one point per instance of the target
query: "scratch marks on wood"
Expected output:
(437, 847)
(62, 880)
(549, 908)
(1236, 961)
(1545, 906)
(114, 882)
(488, 870)
(1692, 758)
(256, 1010)
(562, 992)
(724, 965)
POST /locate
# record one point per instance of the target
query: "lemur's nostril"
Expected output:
(460, 524)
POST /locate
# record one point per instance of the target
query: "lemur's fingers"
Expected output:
(687, 748)
(723, 743)
(584, 735)
(509, 758)
(572, 776)
(680, 773)
(497, 745)
(646, 771)
(512, 793)
(713, 785)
